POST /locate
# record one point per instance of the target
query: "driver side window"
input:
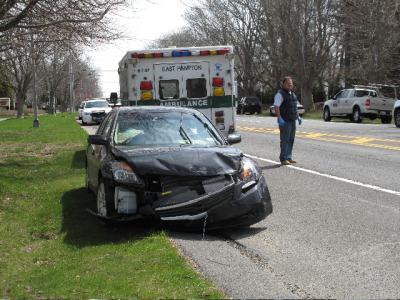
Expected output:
(105, 125)
(339, 95)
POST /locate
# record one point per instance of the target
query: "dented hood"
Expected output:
(182, 161)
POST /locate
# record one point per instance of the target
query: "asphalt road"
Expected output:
(335, 229)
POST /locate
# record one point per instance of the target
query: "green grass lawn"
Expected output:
(51, 247)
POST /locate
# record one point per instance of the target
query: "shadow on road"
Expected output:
(83, 229)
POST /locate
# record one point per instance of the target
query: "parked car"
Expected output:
(396, 113)
(357, 103)
(300, 109)
(250, 104)
(80, 110)
(95, 111)
(173, 165)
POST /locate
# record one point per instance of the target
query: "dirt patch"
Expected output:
(4, 202)
(49, 236)
(44, 151)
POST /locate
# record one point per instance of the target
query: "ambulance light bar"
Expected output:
(180, 53)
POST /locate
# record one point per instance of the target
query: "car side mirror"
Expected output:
(234, 138)
(97, 139)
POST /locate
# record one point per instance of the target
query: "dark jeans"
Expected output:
(287, 133)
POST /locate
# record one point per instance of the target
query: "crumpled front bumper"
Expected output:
(229, 207)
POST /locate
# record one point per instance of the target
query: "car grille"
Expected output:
(198, 205)
(169, 182)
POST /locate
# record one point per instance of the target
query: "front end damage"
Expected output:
(225, 188)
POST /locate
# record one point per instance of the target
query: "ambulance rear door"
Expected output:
(168, 82)
(196, 85)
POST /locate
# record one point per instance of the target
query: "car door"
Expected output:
(95, 153)
(348, 101)
(342, 103)
(335, 102)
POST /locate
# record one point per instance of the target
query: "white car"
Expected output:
(300, 109)
(396, 113)
(80, 110)
(95, 111)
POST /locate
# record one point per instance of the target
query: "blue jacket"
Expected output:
(288, 108)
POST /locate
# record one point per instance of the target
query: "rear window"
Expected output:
(169, 89)
(196, 88)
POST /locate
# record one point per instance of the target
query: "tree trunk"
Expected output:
(307, 96)
(20, 106)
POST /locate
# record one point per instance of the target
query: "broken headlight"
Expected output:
(250, 173)
(123, 173)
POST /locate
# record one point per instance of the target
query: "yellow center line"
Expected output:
(336, 138)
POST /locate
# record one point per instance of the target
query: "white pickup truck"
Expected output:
(359, 102)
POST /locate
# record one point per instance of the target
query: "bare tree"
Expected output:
(181, 38)
(236, 22)
(370, 40)
(300, 36)
(31, 29)
(52, 13)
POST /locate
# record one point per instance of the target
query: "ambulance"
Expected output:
(195, 77)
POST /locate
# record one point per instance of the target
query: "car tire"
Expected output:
(386, 119)
(397, 118)
(327, 114)
(84, 123)
(87, 185)
(356, 115)
(105, 199)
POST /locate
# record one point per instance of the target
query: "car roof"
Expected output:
(368, 90)
(124, 109)
(96, 100)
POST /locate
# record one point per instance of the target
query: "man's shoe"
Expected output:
(292, 161)
(285, 162)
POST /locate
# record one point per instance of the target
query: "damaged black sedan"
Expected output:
(173, 165)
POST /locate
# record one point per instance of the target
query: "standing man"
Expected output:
(285, 103)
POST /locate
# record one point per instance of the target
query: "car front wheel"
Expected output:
(327, 114)
(104, 199)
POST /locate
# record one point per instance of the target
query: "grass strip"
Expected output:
(52, 248)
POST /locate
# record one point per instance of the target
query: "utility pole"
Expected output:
(35, 108)
(71, 85)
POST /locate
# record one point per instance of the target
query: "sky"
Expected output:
(146, 21)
